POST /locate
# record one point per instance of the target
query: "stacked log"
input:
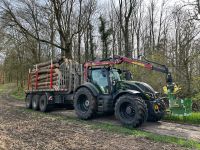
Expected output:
(60, 74)
(45, 75)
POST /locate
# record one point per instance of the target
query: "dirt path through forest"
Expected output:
(162, 128)
(20, 129)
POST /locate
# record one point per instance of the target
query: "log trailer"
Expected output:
(96, 87)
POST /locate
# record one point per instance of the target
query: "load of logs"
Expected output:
(45, 75)
(56, 74)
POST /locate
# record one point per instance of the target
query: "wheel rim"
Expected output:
(34, 103)
(127, 111)
(83, 103)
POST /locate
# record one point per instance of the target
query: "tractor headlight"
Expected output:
(156, 107)
(150, 95)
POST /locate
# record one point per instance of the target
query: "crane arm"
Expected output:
(149, 65)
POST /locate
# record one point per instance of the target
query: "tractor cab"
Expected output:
(109, 81)
(104, 79)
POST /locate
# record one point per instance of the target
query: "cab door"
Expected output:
(99, 78)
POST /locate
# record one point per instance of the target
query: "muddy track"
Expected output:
(162, 128)
(21, 130)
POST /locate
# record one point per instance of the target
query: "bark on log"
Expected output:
(44, 76)
(47, 63)
(46, 83)
(47, 67)
(43, 71)
(45, 79)
(44, 87)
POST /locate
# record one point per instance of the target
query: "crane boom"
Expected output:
(149, 65)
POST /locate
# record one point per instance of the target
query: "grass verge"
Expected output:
(18, 93)
(194, 118)
(107, 127)
(4, 88)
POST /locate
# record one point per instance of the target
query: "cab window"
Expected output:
(100, 80)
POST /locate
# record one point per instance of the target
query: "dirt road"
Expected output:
(20, 129)
(162, 128)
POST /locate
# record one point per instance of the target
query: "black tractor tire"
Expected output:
(85, 104)
(156, 116)
(43, 104)
(131, 110)
(35, 102)
(28, 101)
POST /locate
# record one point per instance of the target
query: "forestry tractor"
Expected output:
(99, 88)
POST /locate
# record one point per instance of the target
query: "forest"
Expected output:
(164, 31)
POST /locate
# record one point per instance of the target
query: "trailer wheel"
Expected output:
(35, 102)
(28, 101)
(85, 104)
(131, 110)
(43, 105)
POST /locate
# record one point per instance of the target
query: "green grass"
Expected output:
(107, 127)
(18, 93)
(151, 136)
(194, 118)
(4, 88)
(15, 92)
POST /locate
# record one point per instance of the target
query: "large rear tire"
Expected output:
(28, 101)
(35, 102)
(131, 110)
(85, 104)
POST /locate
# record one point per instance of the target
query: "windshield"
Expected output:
(100, 80)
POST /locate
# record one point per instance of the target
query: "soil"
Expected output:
(20, 129)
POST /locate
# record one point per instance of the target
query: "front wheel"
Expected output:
(85, 104)
(131, 110)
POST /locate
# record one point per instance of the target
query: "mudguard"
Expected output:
(50, 97)
(122, 92)
(91, 87)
